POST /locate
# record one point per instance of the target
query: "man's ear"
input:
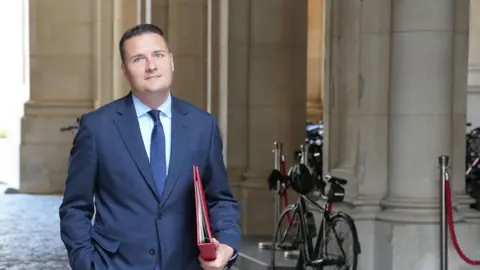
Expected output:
(124, 70)
(171, 60)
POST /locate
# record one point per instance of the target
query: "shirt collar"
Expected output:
(141, 108)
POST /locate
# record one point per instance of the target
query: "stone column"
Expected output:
(160, 13)
(372, 120)
(124, 17)
(187, 37)
(421, 106)
(61, 89)
(112, 19)
(461, 97)
(423, 59)
(104, 49)
(231, 99)
(343, 91)
(472, 104)
(473, 95)
(373, 109)
(315, 59)
(356, 110)
(275, 50)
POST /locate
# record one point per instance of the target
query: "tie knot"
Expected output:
(155, 114)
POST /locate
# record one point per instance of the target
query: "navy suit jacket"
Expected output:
(109, 172)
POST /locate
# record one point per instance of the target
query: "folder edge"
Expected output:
(207, 250)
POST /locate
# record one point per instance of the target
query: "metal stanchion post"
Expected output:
(304, 154)
(443, 164)
(278, 153)
(295, 254)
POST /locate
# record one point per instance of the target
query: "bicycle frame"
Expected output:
(300, 209)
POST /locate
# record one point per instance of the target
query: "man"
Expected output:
(136, 155)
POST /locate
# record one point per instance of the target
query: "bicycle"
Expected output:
(301, 228)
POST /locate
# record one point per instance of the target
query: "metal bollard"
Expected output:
(443, 164)
(295, 254)
(278, 153)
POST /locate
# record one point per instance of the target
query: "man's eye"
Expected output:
(136, 60)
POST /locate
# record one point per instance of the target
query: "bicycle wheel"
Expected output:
(341, 243)
(286, 235)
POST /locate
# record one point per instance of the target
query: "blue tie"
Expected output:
(158, 162)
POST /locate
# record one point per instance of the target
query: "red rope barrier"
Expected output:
(448, 198)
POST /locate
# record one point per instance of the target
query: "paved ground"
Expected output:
(29, 233)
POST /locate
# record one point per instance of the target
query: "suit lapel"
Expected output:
(127, 123)
(180, 139)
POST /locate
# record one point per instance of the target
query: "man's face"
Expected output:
(148, 63)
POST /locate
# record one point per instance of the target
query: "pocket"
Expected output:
(105, 241)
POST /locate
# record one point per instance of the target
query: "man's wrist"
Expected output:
(234, 256)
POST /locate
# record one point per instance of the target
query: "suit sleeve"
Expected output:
(224, 210)
(77, 208)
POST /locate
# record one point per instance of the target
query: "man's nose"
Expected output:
(151, 65)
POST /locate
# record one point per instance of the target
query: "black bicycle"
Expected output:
(337, 245)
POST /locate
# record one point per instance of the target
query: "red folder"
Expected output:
(204, 233)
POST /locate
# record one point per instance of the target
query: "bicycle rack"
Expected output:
(278, 153)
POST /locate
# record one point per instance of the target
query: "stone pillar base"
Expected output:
(43, 168)
(385, 245)
(366, 208)
(44, 150)
(256, 199)
(413, 210)
(462, 205)
(258, 203)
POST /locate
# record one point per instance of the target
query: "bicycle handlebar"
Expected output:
(69, 128)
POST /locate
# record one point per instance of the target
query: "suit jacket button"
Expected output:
(152, 251)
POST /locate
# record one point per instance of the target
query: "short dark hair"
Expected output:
(138, 30)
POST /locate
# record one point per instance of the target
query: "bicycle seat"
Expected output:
(338, 180)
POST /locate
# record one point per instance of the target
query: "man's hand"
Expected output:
(224, 253)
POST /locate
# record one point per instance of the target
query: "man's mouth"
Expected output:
(153, 77)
